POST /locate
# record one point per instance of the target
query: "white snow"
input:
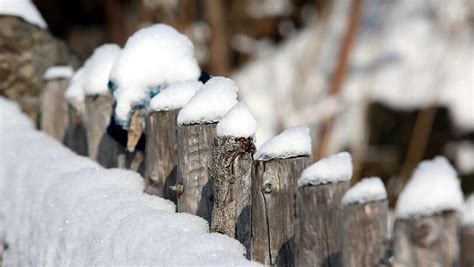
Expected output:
(97, 69)
(58, 72)
(292, 142)
(175, 96)
(237, 122)
(365, 191)
(209, 104)
(61, 209)
(75, 90)
(154, 56)
(333, 169)
(433, 188)
(24, 9)
(468, 212)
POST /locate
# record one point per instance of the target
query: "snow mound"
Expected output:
(152, 57)
(468, 212)
(209, 104)
(175, 96)
(237, 122)
(58, 72)
(292, 142)
(97, 69)
(333, 169)
(24, 9)
(433, 188)
(367, 190)
(75, 90)
(61, 209)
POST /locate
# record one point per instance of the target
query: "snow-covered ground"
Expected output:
(61, 209)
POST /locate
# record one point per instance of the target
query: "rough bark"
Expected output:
(195, 194)
(161, 154)
(231, 170)
(273, 187)
(54, 117)
(318, 227)
(76, 138)
(467, 246)
(97, 118)
(364, 229)
(429, 241)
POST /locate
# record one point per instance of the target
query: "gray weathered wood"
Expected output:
(467, 246)
(161, 154)
(99, 110)
(318, 225)
(364, 229)
(231, 170)
(75, 138)
(273, 187)
(195, 194)
(54, 117)
(429, 241)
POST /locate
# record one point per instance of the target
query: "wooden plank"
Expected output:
(427, 241)
(231, 170)
(318, 227)
(161, 154)
(273, 187)
(195, 194)
(54, 117)
(364, 229)
(75, 137)
(467, 246)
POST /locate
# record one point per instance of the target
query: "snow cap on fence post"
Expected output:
(365, 191)
(97, 69)
(58, 72)
(209, 104)
(237, 122)
(24, 9)
(75, 90)
(333, 169)
(175, 96)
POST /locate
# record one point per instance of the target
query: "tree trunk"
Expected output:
(273, 188)
(467, 246)
(364, 229)
(429, 241)
(54, 117)
(76, 138)
(318, 228)
(195, 194)
(231, 170)
(161, 154)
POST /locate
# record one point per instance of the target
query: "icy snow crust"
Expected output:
(175, 96)
(367, 190)
(58, 72)
(24, 9)
(75, 90)
(60, 209)
(468, 212)
(292, 142)
(209, 104)
(97, 69)
(333, 169)
(237, 122)
(153, 56)
(433, 188)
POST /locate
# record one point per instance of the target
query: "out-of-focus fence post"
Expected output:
(467, 246)
(76, 137)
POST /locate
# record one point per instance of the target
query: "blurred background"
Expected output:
(392, 82)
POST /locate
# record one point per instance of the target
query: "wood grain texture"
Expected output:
(161, 154)
(99, 110)
(273, 188)
(195, 194)
(318, 236)
(75, 137)
(54, 119)
(364, 229)
(467, 246)
(231, 170)
(430, 241)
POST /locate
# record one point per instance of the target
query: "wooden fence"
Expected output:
(259, 203)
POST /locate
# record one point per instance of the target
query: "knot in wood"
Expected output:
(267, 188)
(425, 232)
(179, 188)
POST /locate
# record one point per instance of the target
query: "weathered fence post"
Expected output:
(426, 228)
(54, 117)
(364, 223)
(467, 233)
(277, 167)
(161, 145)
(231, 169)
(196, 132)
(319, 211)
